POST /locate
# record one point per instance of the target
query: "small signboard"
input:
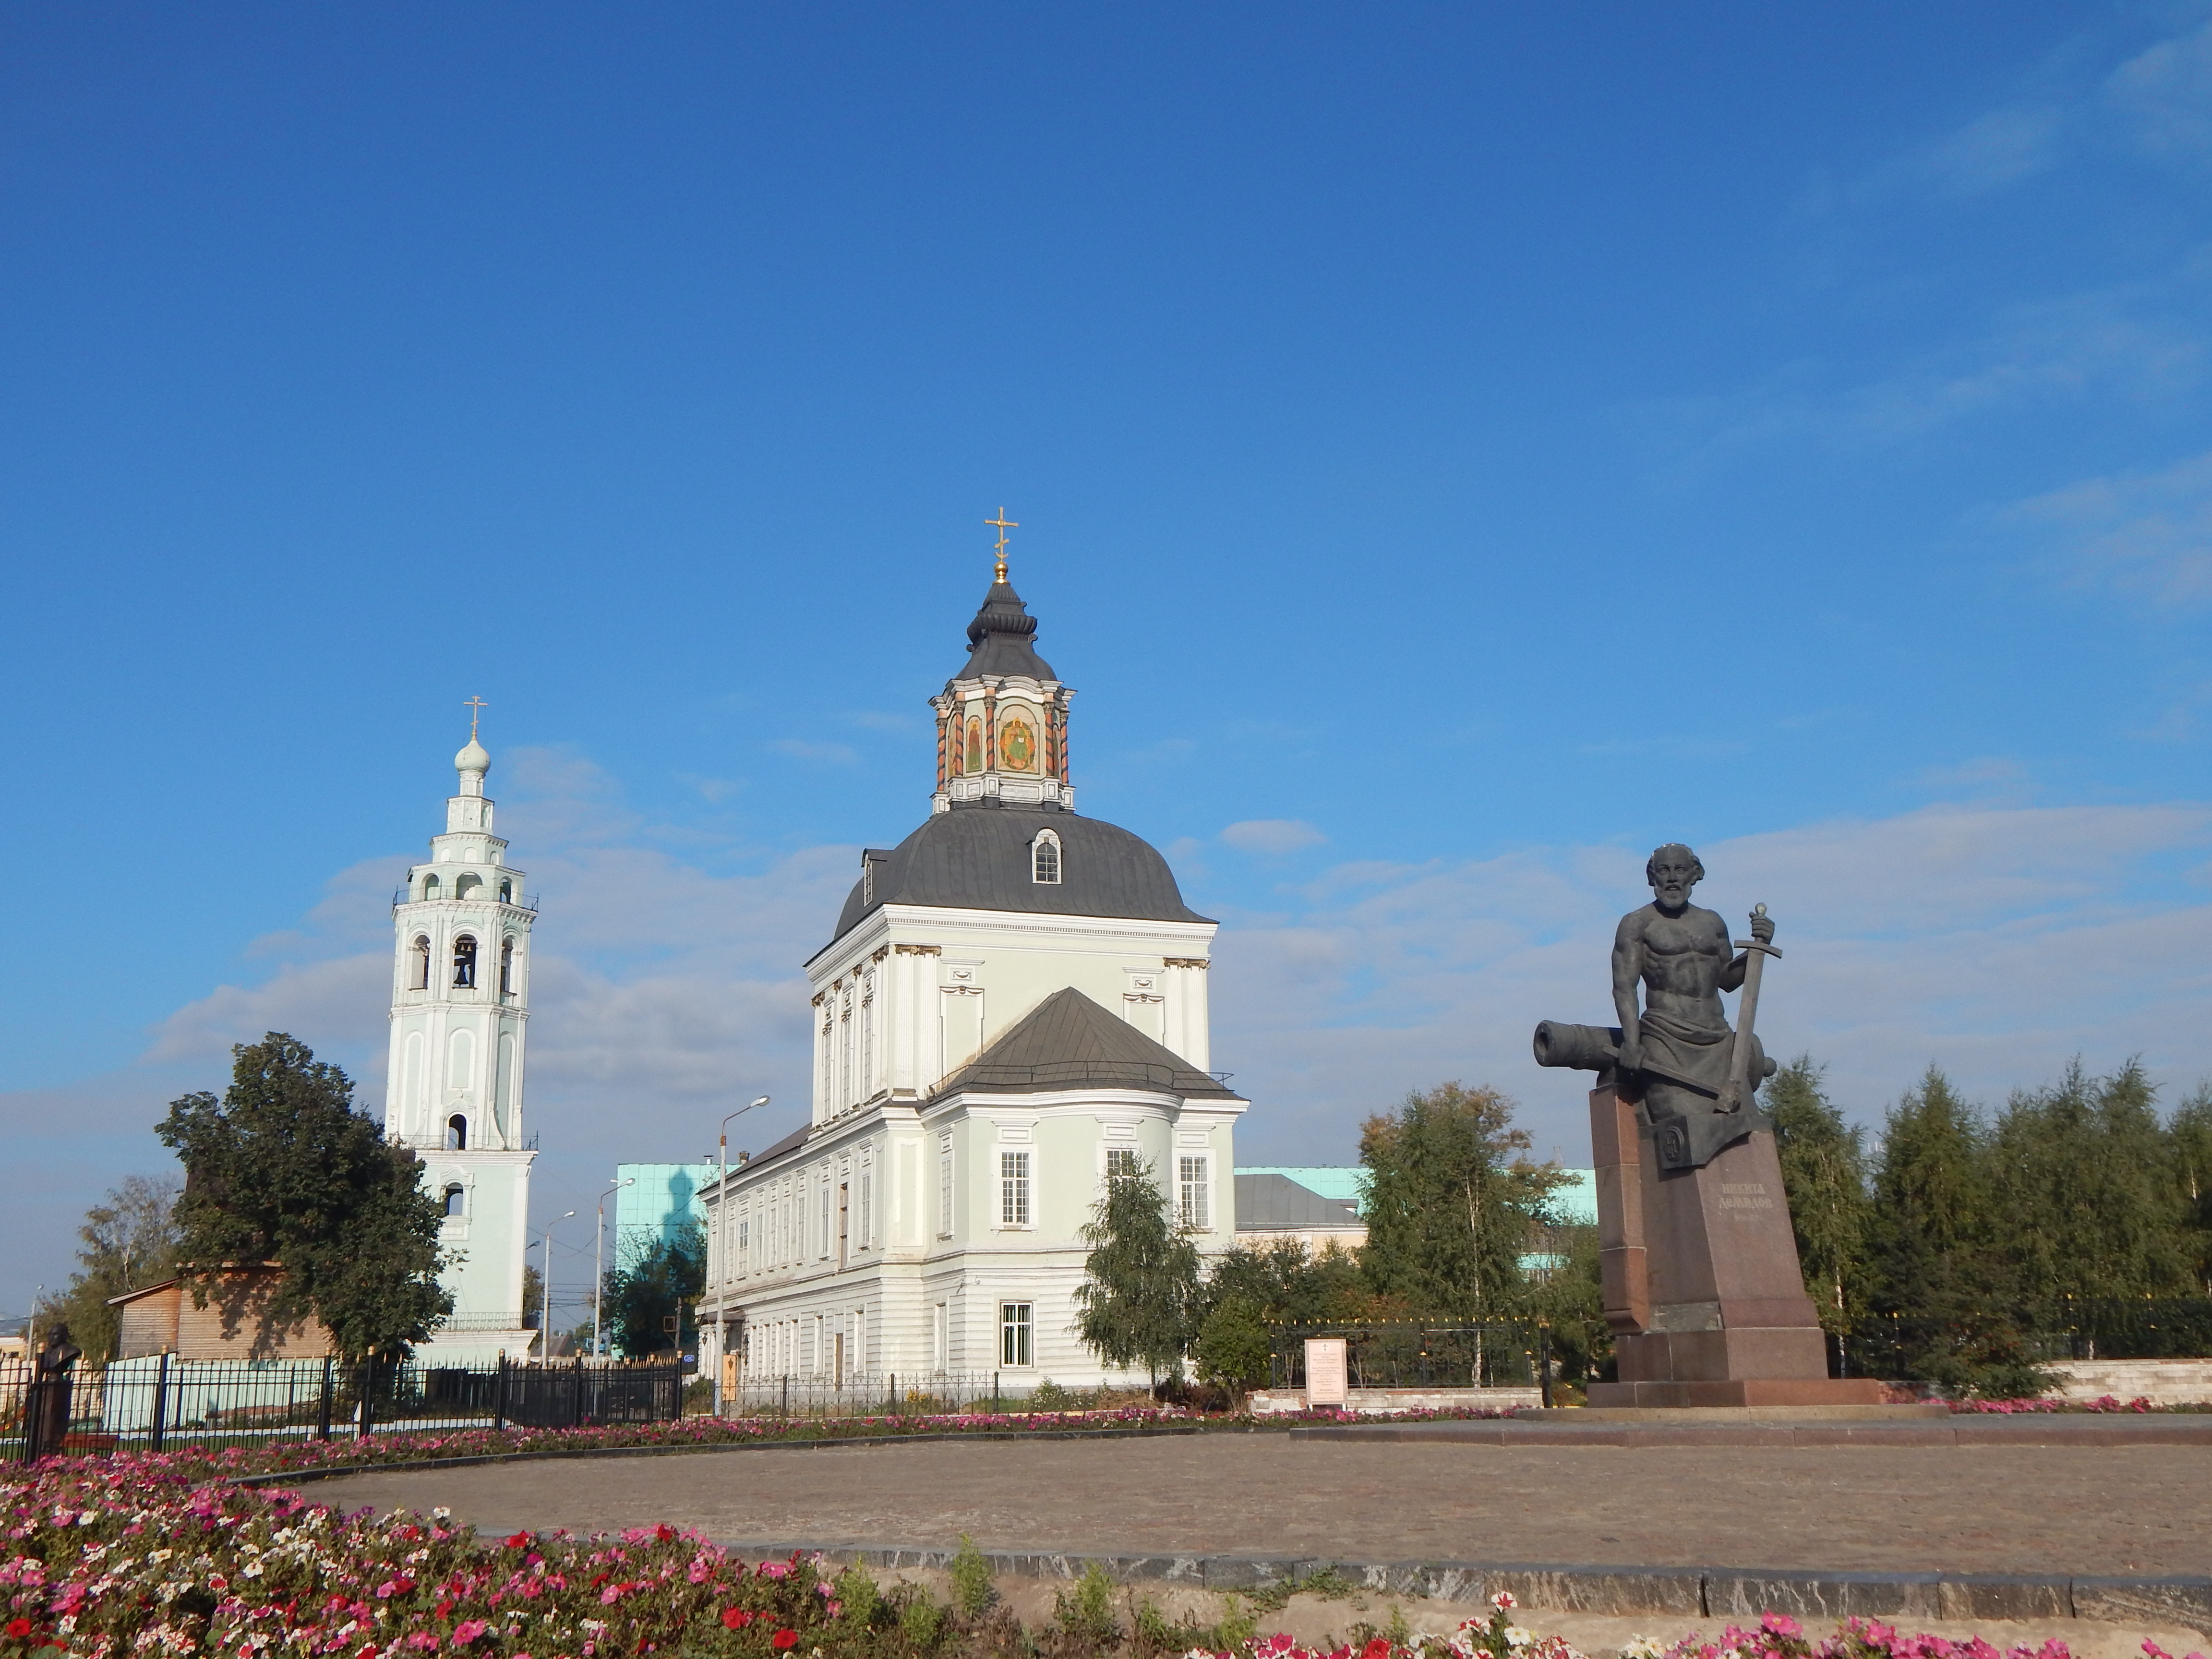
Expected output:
(1326, 1375)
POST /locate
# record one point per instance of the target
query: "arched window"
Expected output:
(506, 891)
(507, 966)
(467, 885)
(1045, 859)
(455, 1197)
(418, 976)
(456, 1132)
(431, 886)
(464, 961)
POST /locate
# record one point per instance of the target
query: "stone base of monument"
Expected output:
(1852, 1393)
(1784, 1415)
(1702, 1286)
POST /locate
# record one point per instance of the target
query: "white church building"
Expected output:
(1011, 1004)
(460, 994)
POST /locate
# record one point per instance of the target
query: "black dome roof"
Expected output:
(977, 857)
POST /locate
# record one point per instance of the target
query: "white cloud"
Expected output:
(2165, 96)
(2148, 533)
(1272, 835)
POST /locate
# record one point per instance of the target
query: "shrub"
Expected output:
(971, 1579)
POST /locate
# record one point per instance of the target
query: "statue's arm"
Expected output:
(1731, 976)
(1627, 972)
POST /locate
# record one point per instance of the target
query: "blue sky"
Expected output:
(1456, 447)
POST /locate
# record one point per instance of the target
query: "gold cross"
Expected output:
(476, 706)
(1005, 524)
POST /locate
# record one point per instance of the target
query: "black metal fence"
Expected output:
(161, 1403)
(912, 1395)
(1418, 1354)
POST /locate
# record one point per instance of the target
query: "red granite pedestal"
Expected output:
(1702, 1284)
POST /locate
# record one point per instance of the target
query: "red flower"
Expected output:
(1376, 1648)
(22, 1627)
(520, 1542)
(735, 1618)
(664, 1532)
(785, 1638)
(445, 1610)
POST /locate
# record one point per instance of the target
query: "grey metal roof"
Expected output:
(797, 1138)
(1266, 1202)
(977, 857)
(1000, 639)
(1069, 1042)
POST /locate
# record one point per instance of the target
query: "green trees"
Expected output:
(1284, 1284)
(1451, 1204)
(658, 1282)
(2191, 1129)
(1234, 1347)
(128, 1240)
(283, 1168)
(1824, 1176)
(1140, 1289)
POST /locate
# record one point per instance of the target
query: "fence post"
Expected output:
(367, 1420)
(994, 1376)
(323, 1403)
(894, 1407)
(160, 1400)
(499, 1394)
(1543, 1347)
(783, 1408)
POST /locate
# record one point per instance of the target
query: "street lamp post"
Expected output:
(545, 1293)
(600, 1263)
(722, 1245)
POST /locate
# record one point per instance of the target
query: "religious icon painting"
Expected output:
(974, 744)
(1018, 745)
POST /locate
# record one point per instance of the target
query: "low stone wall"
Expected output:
(1367, 1402)
(2162, 1381)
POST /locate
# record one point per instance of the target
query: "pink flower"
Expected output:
(467, 1631)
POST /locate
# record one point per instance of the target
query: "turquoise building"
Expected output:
(661, 1202)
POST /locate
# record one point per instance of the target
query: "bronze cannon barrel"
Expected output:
(1578, 1047)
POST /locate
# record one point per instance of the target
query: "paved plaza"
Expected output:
(2134, 1509)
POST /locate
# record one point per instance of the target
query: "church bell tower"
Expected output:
(460, 993)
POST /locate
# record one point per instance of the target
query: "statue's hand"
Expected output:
(1631, 1055)
(1762, 929)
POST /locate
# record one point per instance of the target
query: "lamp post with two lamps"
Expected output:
(545, 1293)
(721, 1252)
(600, 1263)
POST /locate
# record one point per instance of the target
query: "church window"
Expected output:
(1014, 1334)
(431, 886)
(823, 1208)
(464, 961)
(457, 1133)
(1196, 1190)
(745, 1245)
(506, 891)
(419, 975)
(1045, 859)
(864, 1230)
(1121, 1163)
(455, 1198)
(1014, 1190)
(945, 1190)
(467, 885)
(507, 966)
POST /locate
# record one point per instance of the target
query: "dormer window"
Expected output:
(1045, 859)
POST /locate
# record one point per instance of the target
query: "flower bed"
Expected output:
(1776, 1636)
(118, 1556)
(2104, 1404)
(346, 1452)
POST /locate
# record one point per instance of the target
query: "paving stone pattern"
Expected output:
(2129, 1511)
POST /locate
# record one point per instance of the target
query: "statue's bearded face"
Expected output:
(1672, 878)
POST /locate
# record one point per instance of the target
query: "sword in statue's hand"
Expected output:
(1736, 1095)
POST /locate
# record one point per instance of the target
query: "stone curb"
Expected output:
(2053, 1430)
(1685, 1592)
